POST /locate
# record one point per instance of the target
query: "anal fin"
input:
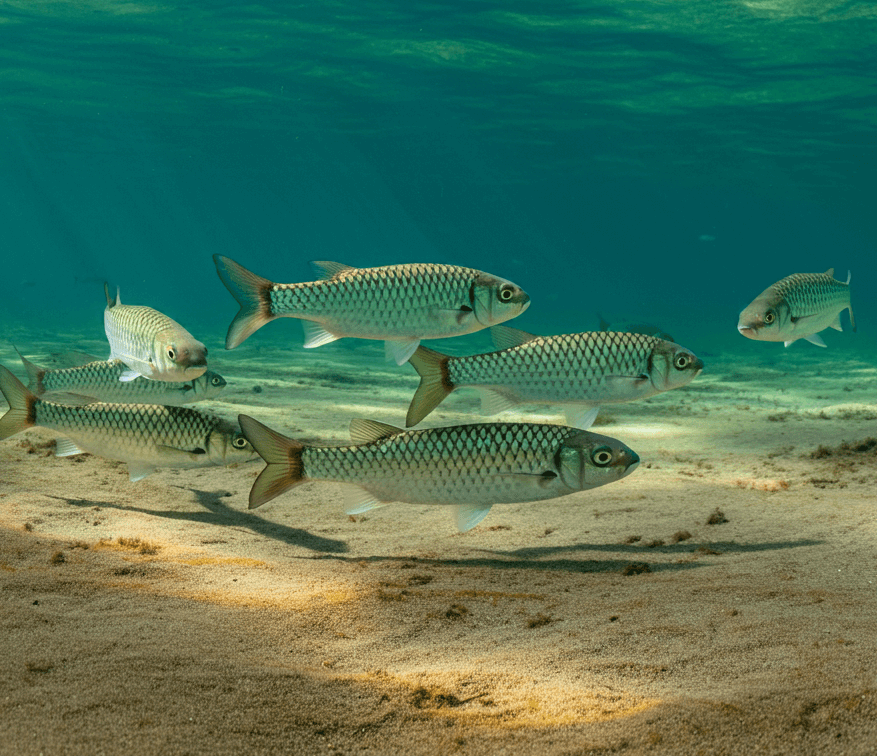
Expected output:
(400, 351)
(64, 447)
(316, 335)
(469, 515)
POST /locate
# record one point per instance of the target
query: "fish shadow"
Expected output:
(534, 558)
(217, 512)
(708, 548)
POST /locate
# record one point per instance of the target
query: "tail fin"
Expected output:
(850, 307)
(34, 374)
(434, 386)
(282, 455)
(21, 405)
(251, 292)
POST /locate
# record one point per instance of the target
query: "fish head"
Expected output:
(766, 318)
(495, 300)
(209, 384)
(672, 366)
(587, 460)
(227, 444)
(187, 357)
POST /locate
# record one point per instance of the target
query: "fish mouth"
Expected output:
(748, 331)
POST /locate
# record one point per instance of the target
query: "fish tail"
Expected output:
(20, 415)
(34, 374)
(252, 293)
(434, 386)
(282, 455)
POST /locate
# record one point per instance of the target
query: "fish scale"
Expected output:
(810, 292)
(574, 366)
(380, 297)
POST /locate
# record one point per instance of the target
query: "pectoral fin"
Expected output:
(814, 338)
(128, 375)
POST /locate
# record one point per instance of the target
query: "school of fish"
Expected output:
(127, 407)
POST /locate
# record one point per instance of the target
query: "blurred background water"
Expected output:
(650, 161)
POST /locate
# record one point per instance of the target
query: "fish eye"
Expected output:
(239, 442)
(506, 293)
(681, 362)
(769, 317)
(601, 456)
(215, 380)
(171, 353)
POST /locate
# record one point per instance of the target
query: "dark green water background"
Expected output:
(651, 161)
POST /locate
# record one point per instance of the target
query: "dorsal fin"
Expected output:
(326, 269)
(367, 431)
(110, 302)
(506, 337)
(830, 272)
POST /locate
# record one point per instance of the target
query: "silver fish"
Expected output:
(471, 467)
(151, 344)
(580, 371)
(146, 436)
(100, 381)
(798, 307)
(398, 304)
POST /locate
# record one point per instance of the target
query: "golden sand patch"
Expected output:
(507, 701)
(222, 561)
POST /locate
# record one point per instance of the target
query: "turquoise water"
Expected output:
(649, 161)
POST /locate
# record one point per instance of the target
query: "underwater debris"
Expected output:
(717, 518)
(846, 449)
(635, 568)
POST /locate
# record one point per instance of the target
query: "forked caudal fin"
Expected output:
(434, 384)
(252, 294)
(20, 415)
(282, 456)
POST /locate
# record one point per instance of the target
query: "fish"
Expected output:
(798, 307)
(579, 371)
(99, 379)
(397, 304)
(469, 467)
(151, 344)
(146, 436)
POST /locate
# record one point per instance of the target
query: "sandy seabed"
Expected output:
(720, 600)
